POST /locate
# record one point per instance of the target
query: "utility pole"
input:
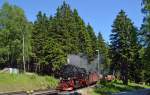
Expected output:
(24, 66)
(98, 63)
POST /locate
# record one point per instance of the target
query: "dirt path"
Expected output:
(86, 91)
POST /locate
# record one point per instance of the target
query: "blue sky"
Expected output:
(99, 13)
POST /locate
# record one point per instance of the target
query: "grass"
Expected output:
(22, 82)
(107, 88)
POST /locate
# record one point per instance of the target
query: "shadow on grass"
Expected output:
(131, 87)
(114, 87)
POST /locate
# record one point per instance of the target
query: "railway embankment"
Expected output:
(25, 82)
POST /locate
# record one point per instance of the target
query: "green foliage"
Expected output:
(146, 6)
(54, 54)
(47, 41)
(70, 31)
(85, 38)
(125, 49)
(13, 25)
(93, 40)
(117, 86)
(146, 35)
(63, 29)
(45, 48)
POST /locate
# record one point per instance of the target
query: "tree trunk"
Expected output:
(23, 56)
(124, 73)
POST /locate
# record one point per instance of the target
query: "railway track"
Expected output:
(49, 92)
(37, 92)
(76, 91)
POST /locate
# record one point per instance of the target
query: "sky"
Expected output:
(99, 13)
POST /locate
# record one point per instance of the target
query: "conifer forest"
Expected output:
(42, 46)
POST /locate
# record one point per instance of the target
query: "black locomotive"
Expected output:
(72, 77)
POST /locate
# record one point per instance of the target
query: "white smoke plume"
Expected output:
(82, 62)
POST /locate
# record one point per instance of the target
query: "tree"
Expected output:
(84, 40)
(47, 51)
(39, 38)
(64, 29)
(55, 55)
(93, 39)
(124, 46)
(43, 46)
(70, 31)
(146, 36)
(135, 66)
(13, 25)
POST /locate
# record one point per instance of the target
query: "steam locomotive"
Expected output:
(72, 77)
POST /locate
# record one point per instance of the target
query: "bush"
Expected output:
(52, 82)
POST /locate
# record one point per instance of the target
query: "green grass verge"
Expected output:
(106, 88)
(22, 82)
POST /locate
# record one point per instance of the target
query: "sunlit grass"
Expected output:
(22, 82)
(106, 88)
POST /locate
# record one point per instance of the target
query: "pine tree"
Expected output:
(47, 51)
(136, 66)
(69, 30)
(64, 29)
(123, 46)
(84, 40)
(39, 37)
(93, 39)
